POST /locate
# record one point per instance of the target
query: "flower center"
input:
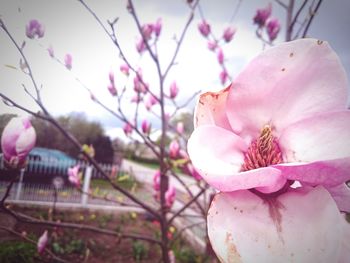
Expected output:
(263, 151)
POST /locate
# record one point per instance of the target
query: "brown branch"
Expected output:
(31, 220)
(312, 15)
(186, 205)
(295, 19)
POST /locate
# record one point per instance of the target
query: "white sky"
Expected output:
(69, 28)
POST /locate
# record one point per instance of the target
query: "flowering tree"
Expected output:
(261, 145)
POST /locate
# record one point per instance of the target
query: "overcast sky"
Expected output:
(69, 28)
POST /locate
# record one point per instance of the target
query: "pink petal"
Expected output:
(211, 109)
(285, 84)
(328, 173)
(298, 226)
(217, 154)
(322, 137)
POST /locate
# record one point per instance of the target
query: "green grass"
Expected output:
(17, 252)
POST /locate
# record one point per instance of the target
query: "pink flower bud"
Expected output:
(157, 27)
(127, 128)
(147, 30)
(273, 28)
(174, 90)
(228, 34)
(136, 98)
(112, 90)
(150, 101)
(17, 140)
(125, 69)
(111, 77)
(171, 256)
(204, 28)
(212, 45)
(170, 196)
(42, 242)
(51, 52)
(180, 127)
(220, 56)
(223, 77)
(140, 46)
(174, 149)
(73, 176)
(34, 28)
(68, 61)
(146, 127)
(156, 181)
(262, 15)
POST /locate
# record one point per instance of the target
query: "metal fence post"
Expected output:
(19, 185)
(86, 185)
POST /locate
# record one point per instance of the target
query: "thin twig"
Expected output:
(312, 15)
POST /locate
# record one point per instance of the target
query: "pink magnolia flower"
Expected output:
(136, 98)
(147, 30)
(170, 196)
(156, 181)
(204, 28)
(220, 56)
(68, 61)
(150, 101)
(228, 34)
(223, 76)
(174, 90)
(51, 51)
(180, 127)
(34, 28)
(111, 77)
(146, 127)
(273, 28)
(283, 119)
(262, 15)
(124, 68)
(42, 242)
(174, 149)
(73, 175)
(127, 128)
(157, 27)
(140, 46)
(17, 140)
(212, 45)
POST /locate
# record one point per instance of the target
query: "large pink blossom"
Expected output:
(283, 119)
(17, 140)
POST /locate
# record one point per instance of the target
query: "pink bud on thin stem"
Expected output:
(180, 127)
(157, 27)
(73, 176)
(204, 28)
(127, 128)
(42, 242)
(170, 196)
(212, 45)
(146, 127)
(273, 28)
(68, 61)
(34, 28)
(228, 34)
(140, 46)
(223, 76)
(147, 30)
(220, 56)
(174, 149)
(174, 90)
(150, 100)
(262, 15)
(51, 52)
(125, 69)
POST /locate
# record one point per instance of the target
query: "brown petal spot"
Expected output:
(232, 254)
(291, 54)
(319, 42)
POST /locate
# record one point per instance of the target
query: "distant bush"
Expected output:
(17, 252)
